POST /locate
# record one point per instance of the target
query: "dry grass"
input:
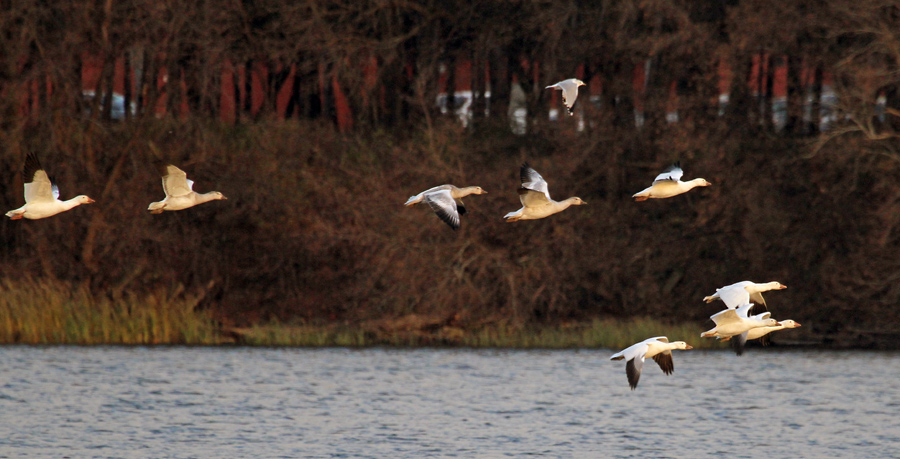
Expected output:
(613, 334)
(45, 312)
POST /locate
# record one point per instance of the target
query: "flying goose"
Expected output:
(41, 195)
(669, 184)
(446, 201)
(760, 333)
(569, 90)
(179, 191)
(535, 197)
(733, 322)
(744, 292)
(658, 348)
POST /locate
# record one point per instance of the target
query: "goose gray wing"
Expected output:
(532, 198)
(175, 181)
(533, 181)
(758, 299)
(443, 204)
(725, 317)
(673, 173)
(38, 186)
(570, 93)
(757, 308)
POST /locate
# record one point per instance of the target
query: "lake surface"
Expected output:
(183, 402)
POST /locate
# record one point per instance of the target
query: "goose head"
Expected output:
(479, 190)
(580, 83)
(681, 345)
(788, 324)
(576, 201)
(776, 286)
(83, 199)
(216, 195)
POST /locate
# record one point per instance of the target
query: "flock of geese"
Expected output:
(744, 318)
(42, 195)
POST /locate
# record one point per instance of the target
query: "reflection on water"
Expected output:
(386, 403)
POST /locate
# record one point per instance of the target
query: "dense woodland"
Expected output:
(314, 230)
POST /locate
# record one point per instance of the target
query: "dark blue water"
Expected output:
(245, 402)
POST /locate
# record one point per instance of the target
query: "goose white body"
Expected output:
(569, 90)
(760, 333)
(733, 322)
(668, 184)
(535, 197)
(446, 201)
(658, 348)
(743, 292)
(41, 195)
(180, 192)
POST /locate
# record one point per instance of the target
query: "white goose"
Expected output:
(41, 195)
(535, 197)
(446, 201)
(658, 348)
(179, 191)
(760, 333)
(569, 90)
(669, 184)
(744, 292)
(733, 322)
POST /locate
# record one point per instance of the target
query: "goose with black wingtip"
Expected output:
(446, 201)
(658, 348)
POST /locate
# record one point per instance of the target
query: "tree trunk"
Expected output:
(622, 95)
(768, 95)
(100, 90)
(248, 88)
(149, 84)
(499, 83)
(479, 103)
(278, 75)
(127, 93)
(815, 107)
(108, 94)
(892, 102)
(173, 86)
(795, 97)
(656, 94)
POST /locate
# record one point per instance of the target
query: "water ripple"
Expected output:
(388, 403)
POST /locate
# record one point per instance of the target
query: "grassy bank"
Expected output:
(609, 333)
(45, 312)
